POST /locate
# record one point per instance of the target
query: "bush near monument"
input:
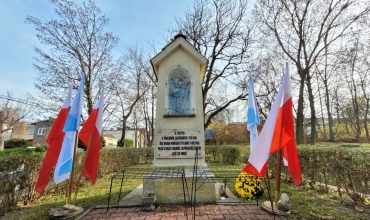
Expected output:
(224, 154)
(127, 143)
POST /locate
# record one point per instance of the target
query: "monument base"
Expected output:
(169, 187)
(267, 207)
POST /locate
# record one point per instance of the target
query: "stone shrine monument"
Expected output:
(179, 125)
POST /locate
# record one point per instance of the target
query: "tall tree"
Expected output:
(353, 62)
(300, 27)
(13, 111)
(129, 88)
(77, 43)
(146, 109)
(221, 31)
(328, 69)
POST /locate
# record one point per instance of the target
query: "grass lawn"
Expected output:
(307, 202)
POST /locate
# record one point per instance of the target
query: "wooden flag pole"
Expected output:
(73, 167)
(279, 156)
(278, 175)
(67, 191)
(80, 177)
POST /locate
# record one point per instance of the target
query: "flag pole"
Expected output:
(278, 164)
(67, 191)
(73, 166)
(80, 177)
(278, 175)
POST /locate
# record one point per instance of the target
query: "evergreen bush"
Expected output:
(126, 143)
(129, 143)
(15, 143)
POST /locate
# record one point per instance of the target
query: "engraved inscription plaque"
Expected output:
(178, 143)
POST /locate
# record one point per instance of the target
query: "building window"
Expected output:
(179, 87)
(41, 131)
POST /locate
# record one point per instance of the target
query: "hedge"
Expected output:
(224, 154)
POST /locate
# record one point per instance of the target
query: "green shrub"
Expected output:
(15, 143)
(120, 143)
(102, 142)
(223, 154)
(146, 155)
(18, 174)
(230, 154)
(16, 151)
(127, 143)
(41, 149)
(212, 154)
(245, 152)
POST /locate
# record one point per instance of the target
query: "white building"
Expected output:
(112, 136)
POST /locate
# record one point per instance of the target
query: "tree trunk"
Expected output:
(1, 130)
(357, 118)
(322, 114)
(123, 134)
(146, 131)
(330, 117)
(136, 144)
(152, 121)
(365, 118)
(88, 92)
(300, 116)
(346, 123)
(311, 99)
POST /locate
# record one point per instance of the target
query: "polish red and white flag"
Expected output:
(277, 133)
(90, 135)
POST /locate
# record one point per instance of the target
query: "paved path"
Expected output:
(177, 212)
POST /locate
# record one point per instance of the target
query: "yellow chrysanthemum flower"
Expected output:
(248, 186)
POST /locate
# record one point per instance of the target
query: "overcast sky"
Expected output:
(133, 21)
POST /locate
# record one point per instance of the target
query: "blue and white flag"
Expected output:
(253, 120)
(63, 168)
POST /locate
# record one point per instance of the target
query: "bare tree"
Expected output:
(129, 88)
(364, 69)
(12, 112)
(338, 94)
(77, 43)
(221, 31)
(147, 108)
(353, 61)
(300, 28)
(19, 130)
(327, 70)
